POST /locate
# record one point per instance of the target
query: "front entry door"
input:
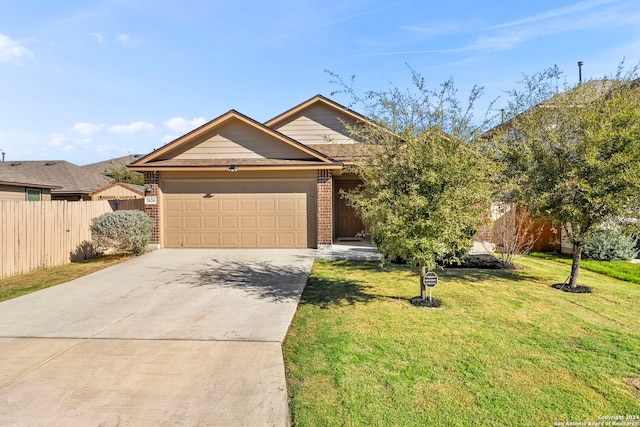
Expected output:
(348, 224)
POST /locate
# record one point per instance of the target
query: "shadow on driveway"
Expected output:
(262, 279)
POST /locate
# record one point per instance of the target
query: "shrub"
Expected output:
(126, 231)
(609, 245)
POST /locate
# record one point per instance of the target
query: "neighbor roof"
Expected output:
(63, 177)
(104, 167)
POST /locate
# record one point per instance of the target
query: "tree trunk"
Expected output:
(575, 265)
(423, 288)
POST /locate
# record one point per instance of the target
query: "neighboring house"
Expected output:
(105, 167)
(64, 180)
(23, 191)
(119, 191)
(235, 182)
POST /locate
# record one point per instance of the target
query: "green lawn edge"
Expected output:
(504, 349)
(623, 270)
(23, 284)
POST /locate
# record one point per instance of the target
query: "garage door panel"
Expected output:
(211, 240)
(248, 222)
(192, 206)
(229, 240)
(210, 204)
(286, 205)
(193, 223)
(267, 205)
(249, 240)
(211, 222)
(267, 222)
(248, 205)
(198, 216)
(229, 222)
(228, 205)
(286, 222)
(174, 222)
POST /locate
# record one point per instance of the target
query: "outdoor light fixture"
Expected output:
(149, 187)
(232, 168)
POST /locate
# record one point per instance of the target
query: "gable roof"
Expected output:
(63, 177)
(139, 189)
(318, 99)
(156, 160)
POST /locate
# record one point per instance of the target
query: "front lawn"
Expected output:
(623, 270)
(504, 349)
(15, 286)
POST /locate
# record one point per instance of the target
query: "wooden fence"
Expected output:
(36, 235)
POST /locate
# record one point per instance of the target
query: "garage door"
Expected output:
(220, 218)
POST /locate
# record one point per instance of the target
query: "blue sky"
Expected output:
(87, 81)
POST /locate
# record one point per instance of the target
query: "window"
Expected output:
(34, 194)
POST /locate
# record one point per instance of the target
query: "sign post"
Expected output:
(430, 280)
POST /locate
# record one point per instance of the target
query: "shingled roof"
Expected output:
(105, 166)
(70, 178)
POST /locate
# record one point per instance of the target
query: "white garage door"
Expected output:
(214, 215)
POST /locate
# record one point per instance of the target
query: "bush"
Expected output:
(609, 245)
(126, 231)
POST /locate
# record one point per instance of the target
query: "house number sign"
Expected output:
(151, 200)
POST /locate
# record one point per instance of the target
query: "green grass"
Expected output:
(504, 349)
(623, 270)
(15, 286)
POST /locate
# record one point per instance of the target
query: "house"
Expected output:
(21, 191)
(58, 179)
(235, 182)
(119, 191)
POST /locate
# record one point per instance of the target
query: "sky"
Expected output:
(86, 81)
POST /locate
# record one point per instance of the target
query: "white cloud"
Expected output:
(168, 138)
(87, 128)
(68, 144)
(12, 50)
(133, 128)
(124, 39)
(99, 37)
(182, 125)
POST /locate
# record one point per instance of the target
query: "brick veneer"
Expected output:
(151, 178)
(324, 185)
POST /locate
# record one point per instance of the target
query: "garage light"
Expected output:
(232, 168)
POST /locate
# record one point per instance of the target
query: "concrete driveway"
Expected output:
(175, 337)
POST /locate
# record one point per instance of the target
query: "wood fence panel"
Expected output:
(36, 235)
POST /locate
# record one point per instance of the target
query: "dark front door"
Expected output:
(348, 224)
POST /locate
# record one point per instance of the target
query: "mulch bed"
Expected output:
(577, 290)
(482, 261)
(419, 302)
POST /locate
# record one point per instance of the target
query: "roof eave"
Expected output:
(151, 167)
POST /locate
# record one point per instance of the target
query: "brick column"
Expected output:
(151, 178)
(324, 184)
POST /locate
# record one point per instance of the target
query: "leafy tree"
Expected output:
(425, 182)
(122, 174)
(573, 156)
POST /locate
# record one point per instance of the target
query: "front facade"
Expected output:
(20, 191)
(238, 183)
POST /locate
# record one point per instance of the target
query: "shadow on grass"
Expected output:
(325, 292)
(262, 279)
